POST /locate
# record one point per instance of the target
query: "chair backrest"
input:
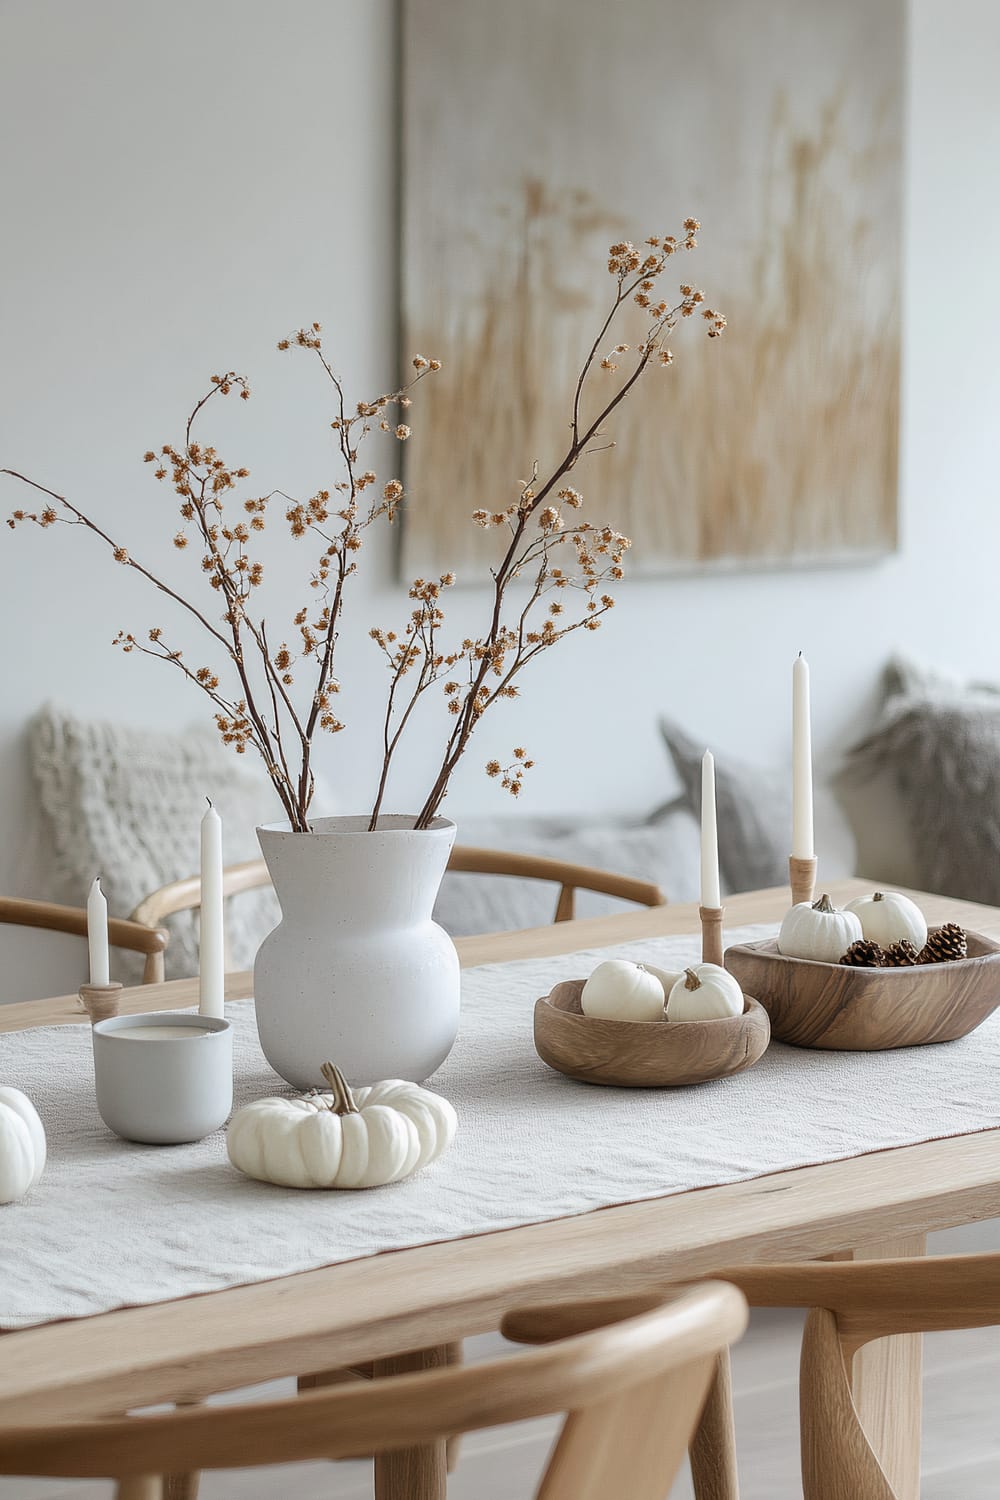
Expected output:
(148, 938)
(185, 895)
(851, 1303)
(632, 1392)
(569, 877)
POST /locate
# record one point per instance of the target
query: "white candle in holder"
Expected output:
(212, 948)
(802, 779)
(711, 891)
(97, 936)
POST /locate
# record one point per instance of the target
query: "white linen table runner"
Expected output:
(113, 1224)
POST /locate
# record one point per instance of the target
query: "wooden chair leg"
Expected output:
(566, 905)
(153, 971)
(713, 1448)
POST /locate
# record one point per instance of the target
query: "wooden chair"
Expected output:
(148, 938)
(712, 1444)
(850, 1304)
(632, 1391)
(185, 895)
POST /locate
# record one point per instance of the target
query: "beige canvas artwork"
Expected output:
(535, 132)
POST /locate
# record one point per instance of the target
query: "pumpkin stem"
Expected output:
(824, 904)
(692, 982)
(343, 1099)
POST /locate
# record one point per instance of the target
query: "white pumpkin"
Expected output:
(345, 1139)
(22, 1145)
(704, 993)
(622, 991)
(667, 977)
(820, 931)
(887, 917)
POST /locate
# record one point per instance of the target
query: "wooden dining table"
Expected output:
(404, 1309)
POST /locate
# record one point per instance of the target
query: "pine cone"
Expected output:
(901, 955)
(944, 944)
(864, 954)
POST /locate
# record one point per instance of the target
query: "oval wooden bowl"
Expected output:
(841, 1009)
(644, 1054)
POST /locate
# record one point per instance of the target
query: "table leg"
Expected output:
(886, 1384)
(412, 1473)
(182, 1486)
(455, 1355)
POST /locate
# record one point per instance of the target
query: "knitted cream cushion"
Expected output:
(127, 804)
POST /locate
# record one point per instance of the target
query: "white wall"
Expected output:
(182, 184)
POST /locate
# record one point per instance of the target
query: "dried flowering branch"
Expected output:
(261, 710)
(550, 581)
(542, 550)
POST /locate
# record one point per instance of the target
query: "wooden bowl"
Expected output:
(842, 1009)
(644, 1054)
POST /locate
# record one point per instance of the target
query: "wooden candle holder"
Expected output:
(802, 878)
(101, 1001)
(711, 934)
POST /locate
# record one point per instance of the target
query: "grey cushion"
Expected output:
(937, 743)
(753, 808)
(665, 853)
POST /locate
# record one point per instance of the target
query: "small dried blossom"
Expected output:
(511, 777)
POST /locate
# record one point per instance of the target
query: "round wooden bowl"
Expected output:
(644, 1054)
(842, 1009)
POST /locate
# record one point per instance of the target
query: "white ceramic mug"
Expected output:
(160, 1088)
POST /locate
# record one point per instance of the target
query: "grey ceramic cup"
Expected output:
(160, 1090)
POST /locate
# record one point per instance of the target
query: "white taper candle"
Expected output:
(97, 935)
(212, 960)
(711, 891)
(802, 775)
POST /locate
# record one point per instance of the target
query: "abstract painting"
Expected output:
(536, 132)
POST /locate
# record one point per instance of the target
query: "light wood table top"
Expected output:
(431, 1295)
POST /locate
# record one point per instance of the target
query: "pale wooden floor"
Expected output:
(961, 1449)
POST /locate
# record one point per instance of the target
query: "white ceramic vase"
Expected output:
(357, 972)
